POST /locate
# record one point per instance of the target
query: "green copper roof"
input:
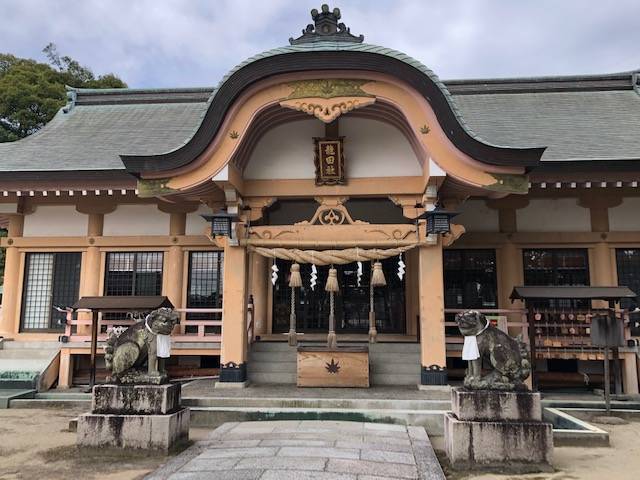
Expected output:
(357, 47)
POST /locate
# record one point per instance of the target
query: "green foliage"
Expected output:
(31, 92)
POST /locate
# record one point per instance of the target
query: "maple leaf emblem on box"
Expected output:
(333, 367)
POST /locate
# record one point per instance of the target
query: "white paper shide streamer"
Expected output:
(314, 277)
(274, 273)
(359, 273)
(401, 267)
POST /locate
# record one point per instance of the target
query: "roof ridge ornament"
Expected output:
(326, 28)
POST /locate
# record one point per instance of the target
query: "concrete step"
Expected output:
(398, 368)
(26, 354)
(263, 377)
(272, 367)
(9, 395)
(13, 345)
(375, 347)
(394, 357)
(431, 420)
(334, 403)
(394, 379)
(273, 357)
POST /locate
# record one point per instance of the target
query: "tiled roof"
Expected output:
(578, 118)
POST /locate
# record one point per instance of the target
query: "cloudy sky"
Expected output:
(165, 43)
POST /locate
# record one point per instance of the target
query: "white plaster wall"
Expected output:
(196, 225)
(136, 220)
(626, 216)
(372, 149)
(477, 217)
(55, 221)
(553, 215)
(285, 151)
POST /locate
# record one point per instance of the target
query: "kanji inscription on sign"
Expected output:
(329, 160)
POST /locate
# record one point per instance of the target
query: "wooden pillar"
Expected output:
(65, 377)
(259, 290)
(433, 349)
(233, 367)
(630, 373)
(90, 276)
(175, 261)
(10, 316)
(510, 273)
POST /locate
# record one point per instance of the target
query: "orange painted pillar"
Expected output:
(260, 291)
(433, 349)
(175, 261)
(9, 317)
(233, 367)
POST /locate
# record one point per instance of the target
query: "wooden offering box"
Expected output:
(340, 367)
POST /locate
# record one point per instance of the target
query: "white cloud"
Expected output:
(152, 43)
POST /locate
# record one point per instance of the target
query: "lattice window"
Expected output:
(51, 279)
(556, 267)
(470, 279)
(205, 283)
(133, 273)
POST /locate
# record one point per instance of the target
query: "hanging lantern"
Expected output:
(438, 220)
(377, 275)
(221, 223)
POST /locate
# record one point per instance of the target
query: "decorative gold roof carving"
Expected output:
(328, 88)
(327, 110)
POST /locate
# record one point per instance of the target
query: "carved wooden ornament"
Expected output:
(329, 160)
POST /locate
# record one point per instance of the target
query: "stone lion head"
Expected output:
(471, 322)
(162, 320)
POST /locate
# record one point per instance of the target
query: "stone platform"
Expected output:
(497, 430)
(146, 417)
(305, 450)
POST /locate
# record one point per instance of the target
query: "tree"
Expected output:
(32, 92)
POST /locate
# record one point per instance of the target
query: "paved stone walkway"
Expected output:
(301, 450)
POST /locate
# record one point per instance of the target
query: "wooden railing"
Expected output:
(184, 332)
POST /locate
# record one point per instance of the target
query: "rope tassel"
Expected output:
(377, 275)
(332, 287)
(295, 280)
(332, 281)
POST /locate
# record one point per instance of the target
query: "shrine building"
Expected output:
(330, 190)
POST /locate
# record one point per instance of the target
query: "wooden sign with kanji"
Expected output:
(329, 160)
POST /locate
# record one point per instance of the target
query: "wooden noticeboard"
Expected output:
(341, 367)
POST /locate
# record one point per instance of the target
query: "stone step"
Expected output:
(278, 378)
(269, 367)
(272, 357)
(374, 357)
(394, 379)
(333, 403)
(375, 347)
(431, 420)
(26, 354)
(13, 345)
(398, 368)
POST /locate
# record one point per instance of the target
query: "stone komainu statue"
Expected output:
(507, 358)
(145, 341)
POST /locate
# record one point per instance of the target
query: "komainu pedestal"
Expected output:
(147, 417)
(497, 430)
